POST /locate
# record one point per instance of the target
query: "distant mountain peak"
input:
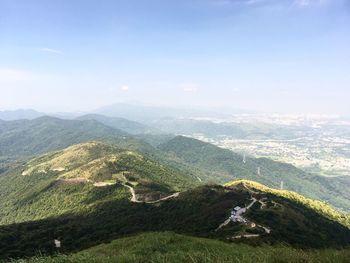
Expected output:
(29, 114)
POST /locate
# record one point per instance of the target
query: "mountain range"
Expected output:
(95, 179)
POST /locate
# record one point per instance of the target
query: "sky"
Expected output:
(288, 56)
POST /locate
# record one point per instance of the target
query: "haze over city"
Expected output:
(289, 56)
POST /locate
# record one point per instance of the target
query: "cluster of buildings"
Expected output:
(236, 215)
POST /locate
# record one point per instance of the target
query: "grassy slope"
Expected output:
(222, 165)
(318, 206)
(39, 195)
(23, 139)
(169, 247)
(197, 212)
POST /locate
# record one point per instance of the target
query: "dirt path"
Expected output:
(133, 195)
(224, 224)
(252, 203)
(103, 184)
(134, 199)
(246, 236)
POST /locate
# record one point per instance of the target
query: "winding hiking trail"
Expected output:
(134, 199)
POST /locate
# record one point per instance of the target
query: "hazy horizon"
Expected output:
(286, 56)
(211, 111)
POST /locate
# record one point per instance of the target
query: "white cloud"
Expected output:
(125, 88)
(235, 89)
(51, 50)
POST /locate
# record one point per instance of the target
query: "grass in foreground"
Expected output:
(173, 248)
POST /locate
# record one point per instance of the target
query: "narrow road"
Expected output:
(224, 224)
(133, 195)
(134, 199)
(252, 203)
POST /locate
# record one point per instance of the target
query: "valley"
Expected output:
(317, 144)
(326, 155)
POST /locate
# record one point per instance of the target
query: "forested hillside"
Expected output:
(65, 181)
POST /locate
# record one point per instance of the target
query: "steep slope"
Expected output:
(222, 165)
(174, 248)
(128, 126)
(81, 176)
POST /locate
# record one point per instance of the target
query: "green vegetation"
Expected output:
(62, 182)
(108, 214)
(317, 206)
(82, 196)
(25, 138)
(168, 247)
(222, 165)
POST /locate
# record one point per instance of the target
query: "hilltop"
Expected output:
(24, 139)
(81, 172)
(29, 114)
(44, 134)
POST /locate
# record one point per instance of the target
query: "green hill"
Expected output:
(222, 165)
(318, 206)
(29, 137)
(173, 248)
(24, 139)
(19, 114)
(64, 181)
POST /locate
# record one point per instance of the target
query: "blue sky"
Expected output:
(267, 55)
